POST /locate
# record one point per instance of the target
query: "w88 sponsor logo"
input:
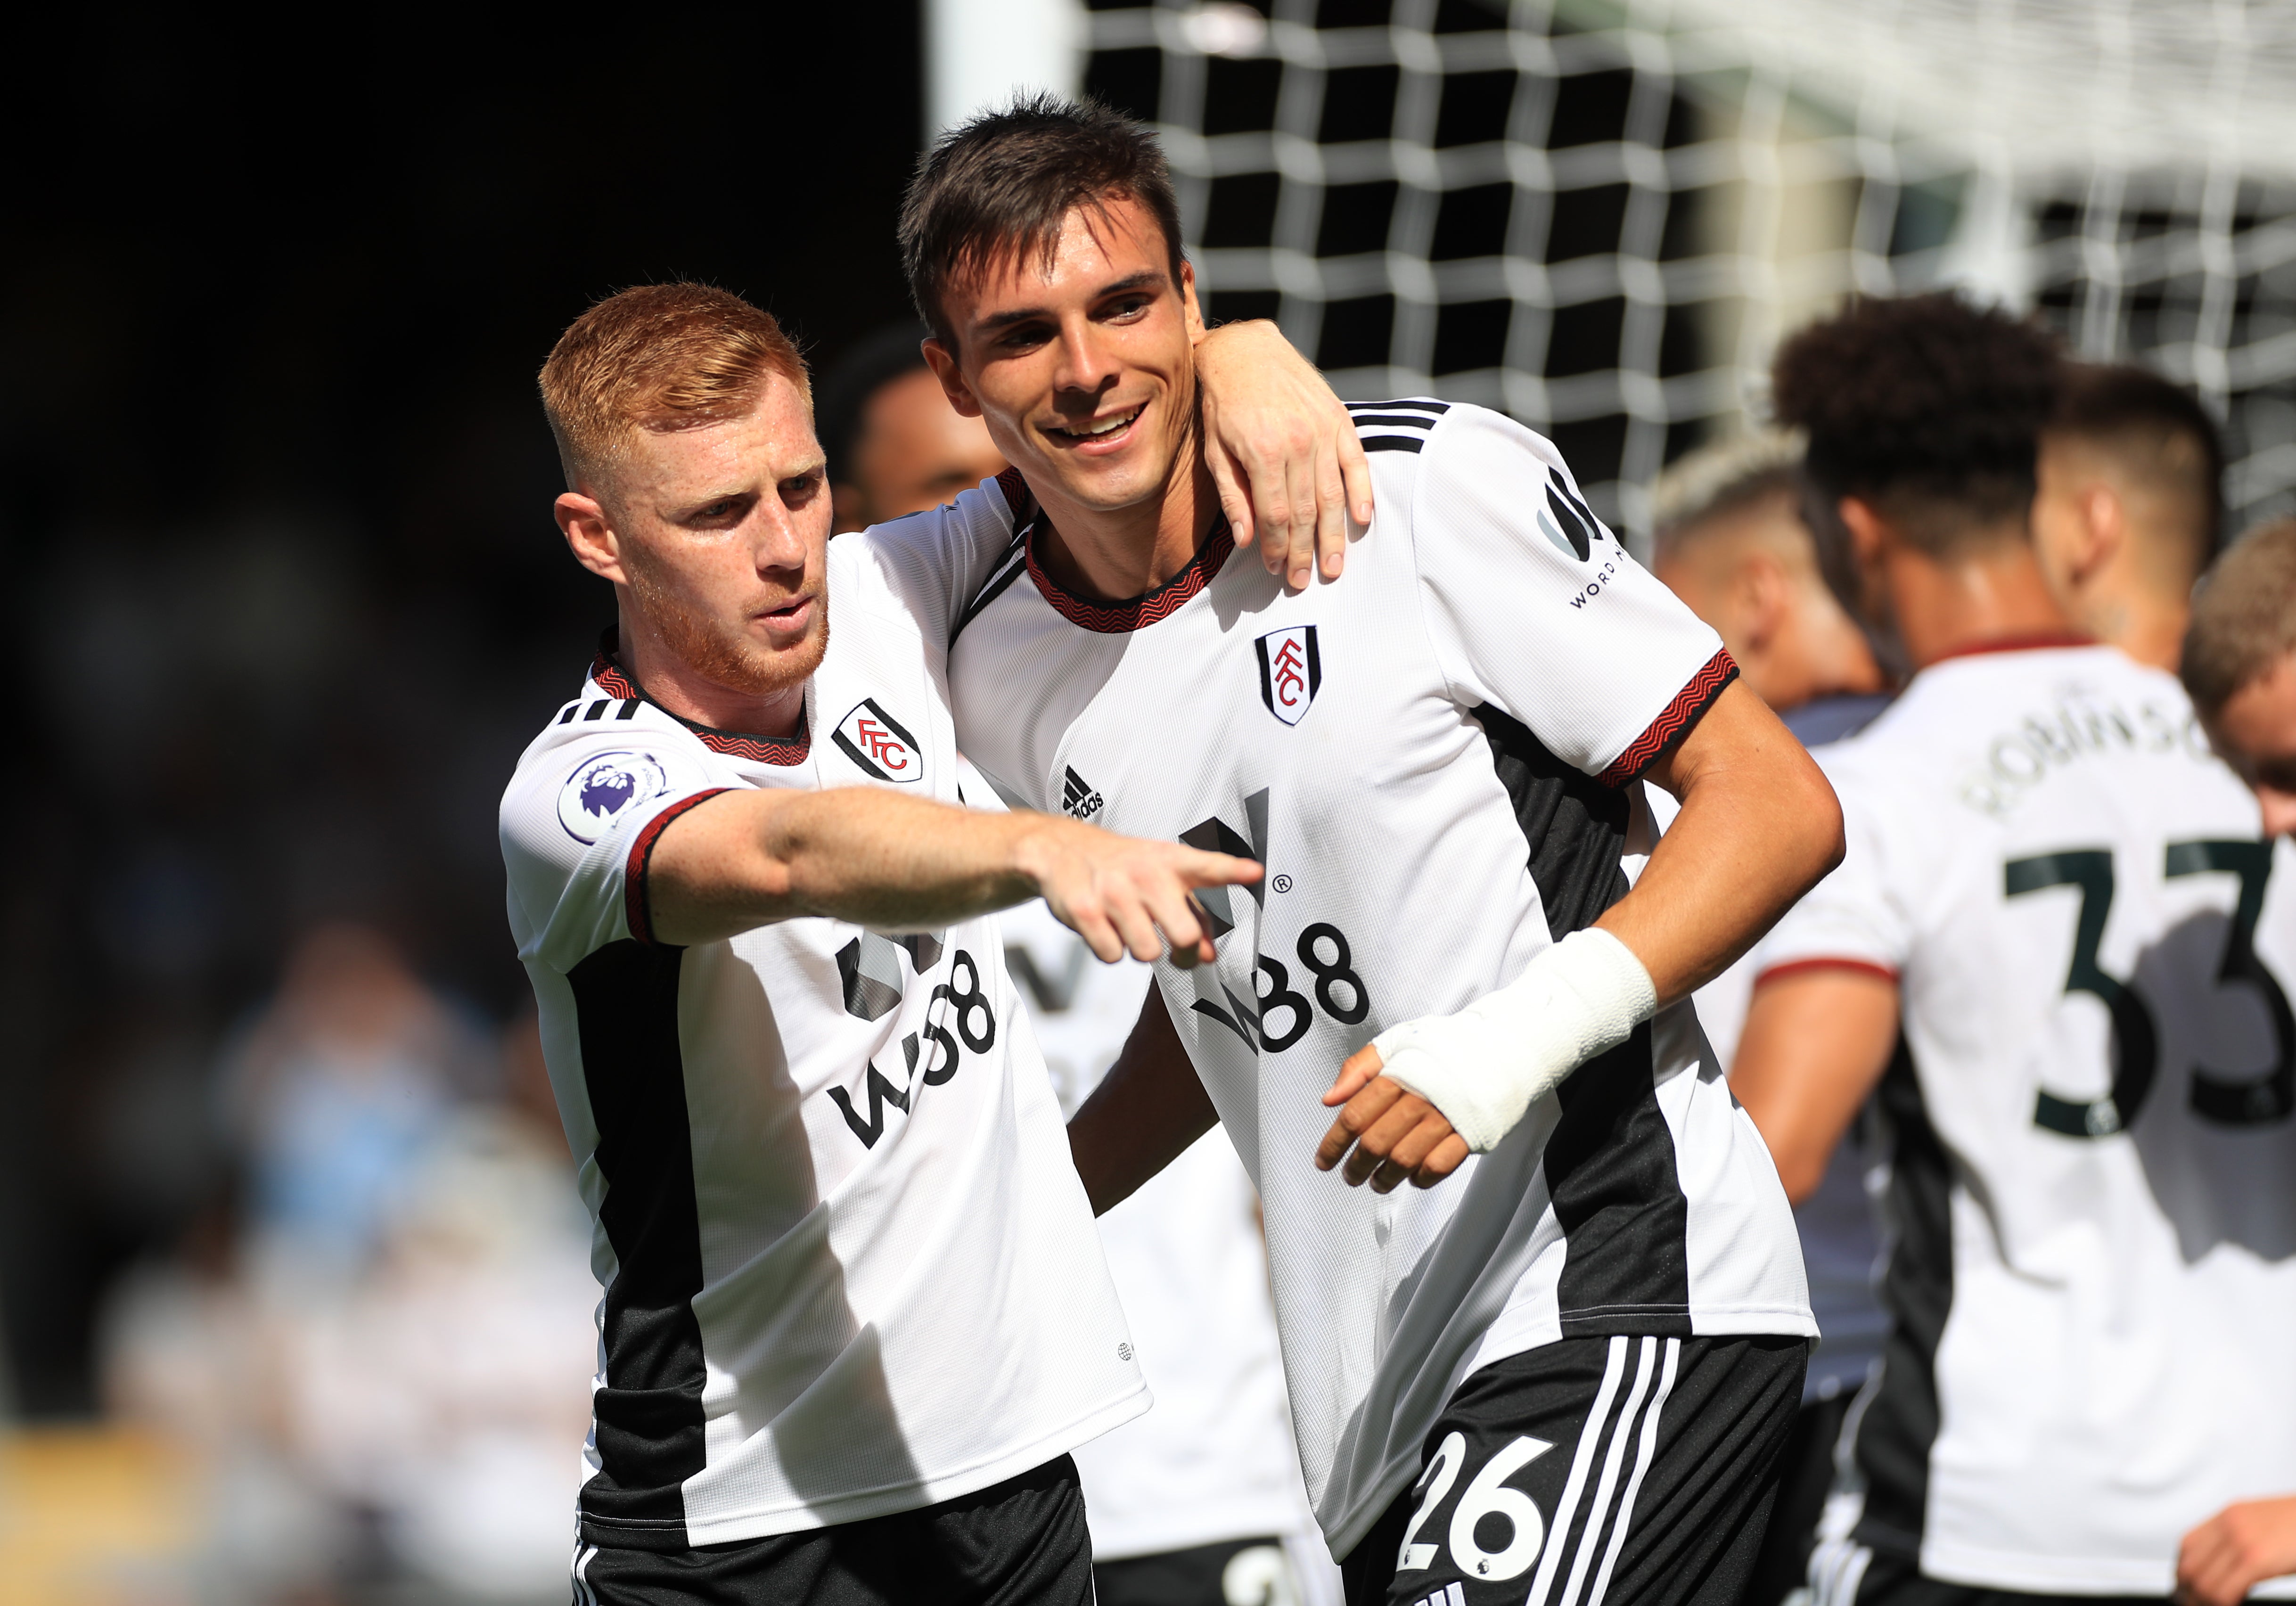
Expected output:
(1278, 1016)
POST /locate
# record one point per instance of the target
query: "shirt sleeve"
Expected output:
(1532, 605)
(579, 827)
(1860, 917)
(943, 562)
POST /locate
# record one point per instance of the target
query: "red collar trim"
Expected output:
(1137, 613)
(2039, 642)
(614, 682)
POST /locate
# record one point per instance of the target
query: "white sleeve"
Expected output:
(941, 561)
(578, 826)
(1533, 606)
(1860, 917)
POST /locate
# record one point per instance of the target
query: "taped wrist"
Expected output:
(1484, 1066)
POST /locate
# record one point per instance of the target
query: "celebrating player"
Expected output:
(1207, 1483)
(855, 1315)
(2057, 947)
(1564, 1374)
(2128, 500)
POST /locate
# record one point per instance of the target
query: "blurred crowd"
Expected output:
(374, 1340)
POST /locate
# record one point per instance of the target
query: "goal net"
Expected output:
(1602, 214)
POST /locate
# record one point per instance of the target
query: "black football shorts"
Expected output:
(1021, 1543)
(1608, 1472)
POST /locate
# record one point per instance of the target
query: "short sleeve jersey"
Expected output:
(2089, 1123)
(848, 1268)
(1430, 757)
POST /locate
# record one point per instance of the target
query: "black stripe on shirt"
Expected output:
(1900, 1421)
(1611, 1162)
(1415, 404)
(648, 1413)
(1392, 443)
(989, 593)
(1408, 421)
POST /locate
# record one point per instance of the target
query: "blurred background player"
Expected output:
(2129, 499)
(2046, 944)
(2240, 666)
(1729, 538)
(894, 443)
(1199, 1502)
(1731, 541)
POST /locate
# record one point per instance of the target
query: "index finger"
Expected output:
(1199, 868)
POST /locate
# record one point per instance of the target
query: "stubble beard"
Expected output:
(723, 656)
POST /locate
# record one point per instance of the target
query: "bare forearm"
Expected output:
(859, 854)
(1759, 827)
(1142, 1117)
(1814, 1046)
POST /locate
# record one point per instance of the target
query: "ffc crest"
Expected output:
(876, 741)
(1291, 671)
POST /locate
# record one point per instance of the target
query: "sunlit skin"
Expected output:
(1050, 356)
(1084, 371)
(2106, 545)
(2255, 732)
(1753, 575)
(914, 451)
(715, 539)
(2235, 1549)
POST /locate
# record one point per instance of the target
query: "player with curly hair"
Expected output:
(2056, 954)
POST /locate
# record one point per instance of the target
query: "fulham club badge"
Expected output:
(1291, 671)
(874, 740)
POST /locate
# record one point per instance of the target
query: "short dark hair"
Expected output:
(2243, 617)
(998, 186)
(2157, 431)
(1929, 406)
(841, 400)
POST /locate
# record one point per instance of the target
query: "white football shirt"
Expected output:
(848, 1268)
(1429, 757)
(1213, 1461)
(2092, 1198)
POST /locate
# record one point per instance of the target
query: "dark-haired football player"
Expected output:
(1564, 1374)
(2057, 956)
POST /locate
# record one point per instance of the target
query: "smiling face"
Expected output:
(1085, 369)
(716, 539)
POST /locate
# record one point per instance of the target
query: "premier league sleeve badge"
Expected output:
(604, 787)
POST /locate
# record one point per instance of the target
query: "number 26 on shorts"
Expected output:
(1487, 1495)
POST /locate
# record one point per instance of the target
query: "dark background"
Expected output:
(287, 597)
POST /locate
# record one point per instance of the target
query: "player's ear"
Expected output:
(1763, 586)
(589, 534)
(1869, 532)
(2103, 530)
(1189, 309)
(951, 376)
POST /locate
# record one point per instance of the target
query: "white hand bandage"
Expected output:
(1484, 1066)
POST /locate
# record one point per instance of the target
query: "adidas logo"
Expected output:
(1078, 799)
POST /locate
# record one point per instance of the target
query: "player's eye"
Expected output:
(1128, 308)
